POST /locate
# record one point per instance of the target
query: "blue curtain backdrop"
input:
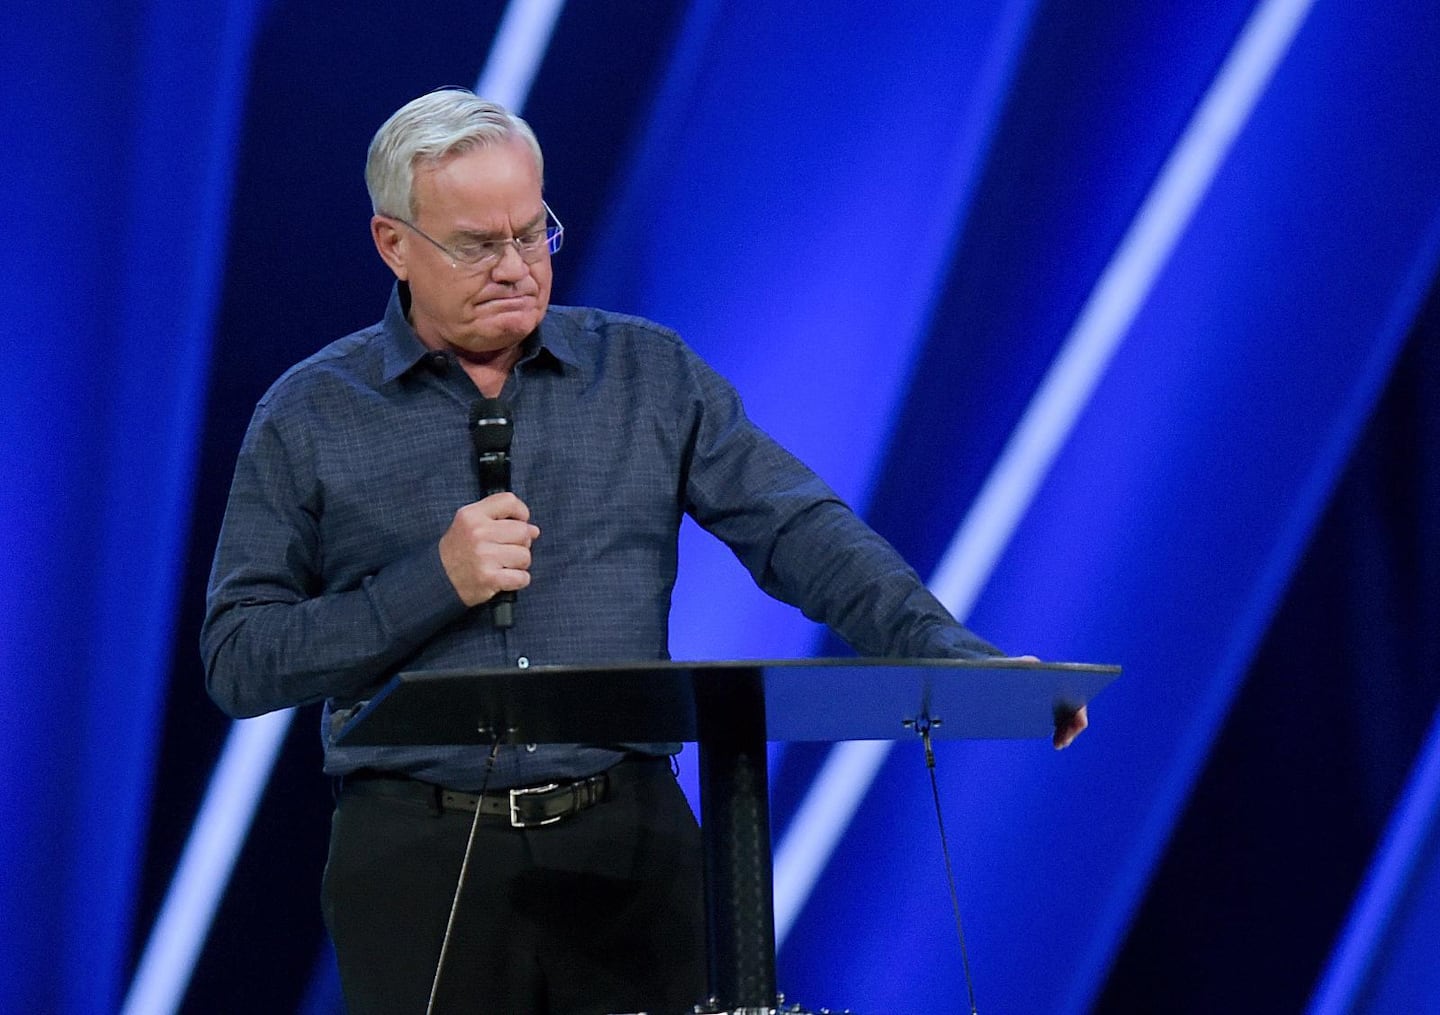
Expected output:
(883, 229)
(118, 152)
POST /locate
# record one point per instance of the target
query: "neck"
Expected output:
(488, 370)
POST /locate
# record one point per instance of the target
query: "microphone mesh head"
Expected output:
(491, 426)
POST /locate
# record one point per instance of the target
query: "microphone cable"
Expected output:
(464, 870)
(923, 726)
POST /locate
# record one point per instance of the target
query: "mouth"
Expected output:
(513, 302)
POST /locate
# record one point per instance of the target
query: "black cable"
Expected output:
(923, 728)
(464, 869)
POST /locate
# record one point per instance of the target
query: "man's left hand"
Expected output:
(1068, 726)
(1068, 723)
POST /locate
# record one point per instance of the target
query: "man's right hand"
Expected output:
(487, 548)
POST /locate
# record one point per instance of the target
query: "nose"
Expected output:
(511, 267)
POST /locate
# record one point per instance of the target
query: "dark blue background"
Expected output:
(882, 224)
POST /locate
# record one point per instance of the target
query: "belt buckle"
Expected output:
(515, 794)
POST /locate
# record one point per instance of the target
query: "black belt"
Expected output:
(523, 806)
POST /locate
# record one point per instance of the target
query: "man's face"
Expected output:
(490, 193)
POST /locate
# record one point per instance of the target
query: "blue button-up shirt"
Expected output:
(327, 578)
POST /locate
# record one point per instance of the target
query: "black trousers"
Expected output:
(600, 912)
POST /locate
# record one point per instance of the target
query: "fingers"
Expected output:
(499, 505)
(486, 549)
(1069, 725)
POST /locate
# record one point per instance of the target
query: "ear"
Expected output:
(389, 241)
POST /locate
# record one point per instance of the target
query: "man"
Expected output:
(354, 546)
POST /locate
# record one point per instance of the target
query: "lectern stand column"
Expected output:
(735, 803)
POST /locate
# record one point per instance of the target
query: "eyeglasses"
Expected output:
(477, 254)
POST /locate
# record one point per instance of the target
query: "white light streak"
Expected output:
(1064, 393)
(204, 869)
(825, 813)
(519, 47)
(253, 745)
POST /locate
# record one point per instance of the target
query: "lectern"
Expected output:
(730, 709)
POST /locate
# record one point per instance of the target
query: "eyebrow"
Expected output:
(536, 223)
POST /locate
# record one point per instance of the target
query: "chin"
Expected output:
(509, 328)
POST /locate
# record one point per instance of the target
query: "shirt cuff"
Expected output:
(412, 597)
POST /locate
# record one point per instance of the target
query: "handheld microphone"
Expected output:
(491, 430)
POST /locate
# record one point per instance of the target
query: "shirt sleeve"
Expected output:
(274, 635)
(800, 542)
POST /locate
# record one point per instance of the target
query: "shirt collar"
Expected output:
(403, 349)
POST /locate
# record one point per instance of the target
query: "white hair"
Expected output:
(429, 129)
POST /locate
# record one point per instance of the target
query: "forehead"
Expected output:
(485, 187)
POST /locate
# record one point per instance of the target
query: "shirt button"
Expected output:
(530, 748)
(523, 662)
